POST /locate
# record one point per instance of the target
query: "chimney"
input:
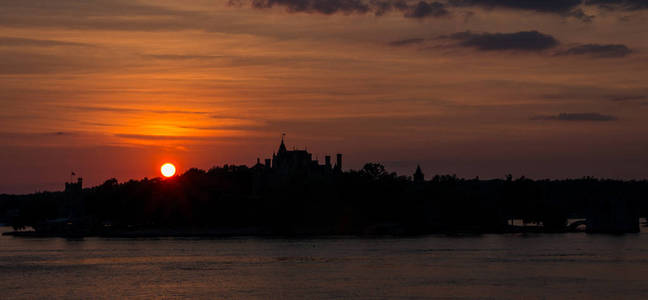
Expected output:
(327, 160)
(258, 161)
(267, 163)
(338, 162)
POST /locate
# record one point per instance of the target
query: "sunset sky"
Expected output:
(112, 88)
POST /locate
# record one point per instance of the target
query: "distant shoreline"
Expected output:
(253, 232)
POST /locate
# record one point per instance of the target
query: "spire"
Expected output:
(282, 147)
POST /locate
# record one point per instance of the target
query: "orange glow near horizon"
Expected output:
(168, 170)
(82, 89)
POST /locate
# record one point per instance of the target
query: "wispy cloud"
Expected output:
(134, 110)
(620, 4)
(627, 98)
(520, 41)
(39, 134)
(6, 41)
(406, 42)
(598, 50)
(553, 6)
(426, 9)
(237, 127)
(161, 137)
(97, 15)
(410, 9)
(182, 57)
(423, 9)
(587, 117)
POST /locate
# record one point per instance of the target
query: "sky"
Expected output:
(114, 88)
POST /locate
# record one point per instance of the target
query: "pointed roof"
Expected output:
(282, 147)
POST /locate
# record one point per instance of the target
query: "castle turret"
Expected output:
(71, 187)
(282, 147)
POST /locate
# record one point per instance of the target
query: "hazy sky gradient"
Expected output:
(477, 88)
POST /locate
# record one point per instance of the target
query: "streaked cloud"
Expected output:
(598, 50)
(316, 6)
(96, 15)
(627, 98)
(182, 56)
(150, 137)
(134, 110)
(519, 41)
(410, 9)
(575, 117)
(554, 6)
(406, 42)
(424, 9)
(6, 41)
(620, 4)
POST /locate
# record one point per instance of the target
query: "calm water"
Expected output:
(483, 267)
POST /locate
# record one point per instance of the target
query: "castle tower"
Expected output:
(338, 161)
(282, 147)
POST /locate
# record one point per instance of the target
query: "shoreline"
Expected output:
(228, 233)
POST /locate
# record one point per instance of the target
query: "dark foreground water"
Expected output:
(536, 266)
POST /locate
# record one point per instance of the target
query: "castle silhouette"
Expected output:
(293, 194)
(297, 160)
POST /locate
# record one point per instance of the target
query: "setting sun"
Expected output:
(168, 170)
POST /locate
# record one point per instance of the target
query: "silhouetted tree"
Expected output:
(371, 200)
(418, 175)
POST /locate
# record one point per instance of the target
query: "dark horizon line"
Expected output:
(439, 175)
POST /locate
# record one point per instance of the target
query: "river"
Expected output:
(505, 266)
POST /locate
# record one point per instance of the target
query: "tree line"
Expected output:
(371, 200)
